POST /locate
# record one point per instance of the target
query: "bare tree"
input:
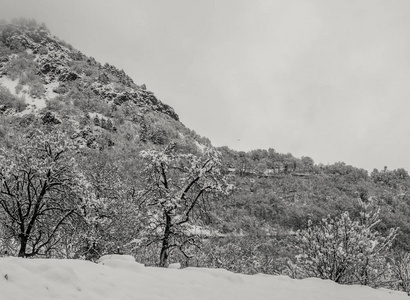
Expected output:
(41, 192)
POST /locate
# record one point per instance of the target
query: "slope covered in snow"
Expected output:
(120, 277)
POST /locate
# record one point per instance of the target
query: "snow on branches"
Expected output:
(345, 250)
(41, 191)
(177, 185)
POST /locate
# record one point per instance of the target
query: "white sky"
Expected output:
(320, 78)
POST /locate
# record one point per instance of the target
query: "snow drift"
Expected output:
(118, 277)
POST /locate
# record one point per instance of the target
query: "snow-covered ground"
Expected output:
(34, 103)
(120, 277)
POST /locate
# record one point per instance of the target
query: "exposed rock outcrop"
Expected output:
(50, 119)
(139, 96)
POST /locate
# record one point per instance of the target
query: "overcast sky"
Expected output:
(319, 78)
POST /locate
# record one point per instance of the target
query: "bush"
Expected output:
(241, 254)
(42, 50)
(401, 271)
(37, 89)
(26, 70)
(87, 101)
(61, 89)
(20, 65)
(82, 67)
(19, 104)
(157, 129)
(8, 100)
(345, 251)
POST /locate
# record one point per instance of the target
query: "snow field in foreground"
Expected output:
(118, 277)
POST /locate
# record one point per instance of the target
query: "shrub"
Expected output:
(61, 89)
(19, 104)
(401, 271)
(37, 89)
(26, 70)
(85, 100)
(20, 65)
(42, 50)
(8, 100)
(158, 129)
(55, 104)
(344, 250)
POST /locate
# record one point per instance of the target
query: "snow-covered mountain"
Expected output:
(51, 68)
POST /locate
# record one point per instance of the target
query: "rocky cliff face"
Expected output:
(57, 64)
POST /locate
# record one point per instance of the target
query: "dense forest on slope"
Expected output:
(135, 180)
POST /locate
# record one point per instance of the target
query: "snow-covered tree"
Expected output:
(401, 271)
(177, 186)
(114, 215)
(345, 250)
(41, 192)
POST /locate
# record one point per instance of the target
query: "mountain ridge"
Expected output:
(59, 62)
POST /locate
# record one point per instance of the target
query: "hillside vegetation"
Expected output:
(92, 163)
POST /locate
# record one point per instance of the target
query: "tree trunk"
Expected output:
(23, 245)
(163, 258)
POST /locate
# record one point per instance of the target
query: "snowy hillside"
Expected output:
(120, 277)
